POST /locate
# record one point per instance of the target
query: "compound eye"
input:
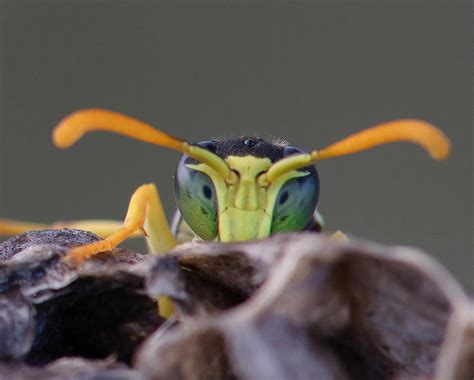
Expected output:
(196, 198)
(289, 150)
(296, 200)
(209, 145)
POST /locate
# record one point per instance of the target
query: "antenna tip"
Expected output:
(66, 133)
(434, 141)
(441, 150)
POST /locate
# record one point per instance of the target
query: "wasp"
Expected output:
(229, 190)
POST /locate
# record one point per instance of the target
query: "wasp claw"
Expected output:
(143, 232)
(339, 236)
(74, 258)
(78, 255)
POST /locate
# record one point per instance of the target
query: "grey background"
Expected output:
(310, 72)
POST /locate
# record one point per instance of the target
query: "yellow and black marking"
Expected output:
(237, 189)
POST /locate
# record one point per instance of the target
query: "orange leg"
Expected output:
(102, 228)
(12, 227)
(145, 214)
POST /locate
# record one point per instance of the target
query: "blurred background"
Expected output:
(309, 72)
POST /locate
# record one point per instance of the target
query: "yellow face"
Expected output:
(246, 193)
(245, 206)
(241, 196)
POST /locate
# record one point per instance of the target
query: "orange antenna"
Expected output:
(416, 131)
(74, 126)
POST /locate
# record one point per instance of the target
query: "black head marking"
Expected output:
(250, 142)
(245, 146)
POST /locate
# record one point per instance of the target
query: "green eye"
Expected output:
(196, 199)
(296, 203)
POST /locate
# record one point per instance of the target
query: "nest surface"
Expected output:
(294, 306)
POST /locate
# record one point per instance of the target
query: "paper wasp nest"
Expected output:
(295, 306)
